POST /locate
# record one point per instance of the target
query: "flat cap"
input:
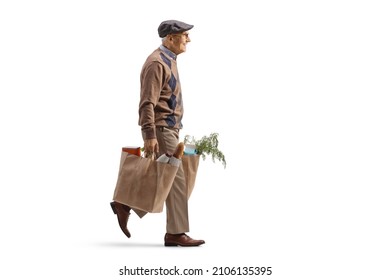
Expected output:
(172, 26)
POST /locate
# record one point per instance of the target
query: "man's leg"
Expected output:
(176, 202)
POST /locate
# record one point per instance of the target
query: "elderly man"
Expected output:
(160, 118)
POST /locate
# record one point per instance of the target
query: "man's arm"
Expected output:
(151, 85)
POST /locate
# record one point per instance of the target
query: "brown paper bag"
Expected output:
(143, 183)
(190, 166)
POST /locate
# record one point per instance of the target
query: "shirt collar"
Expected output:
(168, 52)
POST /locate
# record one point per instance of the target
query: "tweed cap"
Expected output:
(172, 26)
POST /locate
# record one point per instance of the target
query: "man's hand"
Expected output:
(151, 146)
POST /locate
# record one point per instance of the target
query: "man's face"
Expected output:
(178, 42)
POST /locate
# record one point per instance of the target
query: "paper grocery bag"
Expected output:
(143, 183)
(190, 166)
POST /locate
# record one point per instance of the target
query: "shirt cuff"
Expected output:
(149, 133)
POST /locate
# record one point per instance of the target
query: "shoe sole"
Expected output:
(181, 245)
(171, 244)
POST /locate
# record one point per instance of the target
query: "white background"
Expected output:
(297, 90)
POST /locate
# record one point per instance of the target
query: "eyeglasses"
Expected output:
(182, 34)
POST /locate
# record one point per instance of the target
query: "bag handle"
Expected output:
(151, 155)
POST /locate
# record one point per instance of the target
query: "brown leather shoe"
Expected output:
(122, 212)
(181, 239)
